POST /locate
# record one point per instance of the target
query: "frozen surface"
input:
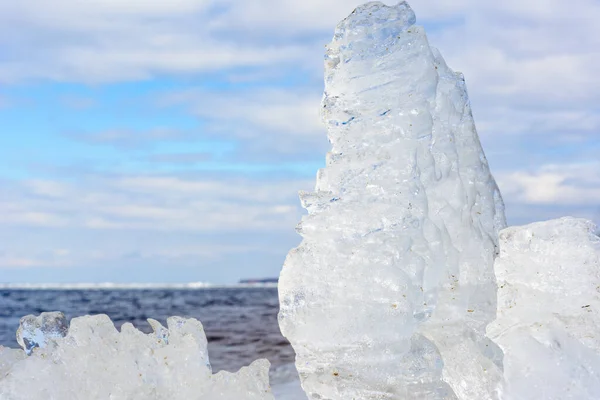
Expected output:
(390, 291)
(548, 322)
(94, 361)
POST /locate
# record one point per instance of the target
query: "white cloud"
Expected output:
(56, 258)
(557, 189)
(128, 138)
(526, 55)
(47, 188)
(179, 158)
(155, 203)
(265, 123)
(20, 262)
(288, 111)
(199, 228)
(286, 16)
(78, 102)
(526, 43)
(104, 41)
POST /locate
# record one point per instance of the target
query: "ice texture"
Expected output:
(548, 321)
(390, 291)
(94, 361)
(38, 331)
(8, 357)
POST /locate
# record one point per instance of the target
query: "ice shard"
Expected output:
(38, 331)
(390, 291)
(548, 321)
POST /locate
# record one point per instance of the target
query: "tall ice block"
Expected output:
(390, 291)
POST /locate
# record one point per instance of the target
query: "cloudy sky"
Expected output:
(166, 141)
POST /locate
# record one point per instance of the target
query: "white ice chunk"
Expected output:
(548, 322)
(94, 361)
(390, 291)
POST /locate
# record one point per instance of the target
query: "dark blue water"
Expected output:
(240, 323)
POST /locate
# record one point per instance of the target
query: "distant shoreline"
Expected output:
(263, 280)
(134, 286)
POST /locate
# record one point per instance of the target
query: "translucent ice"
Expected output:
(390, 291)
(38, 331)
(548, 320)
(96, 362)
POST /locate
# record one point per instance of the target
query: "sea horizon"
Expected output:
(133, 285)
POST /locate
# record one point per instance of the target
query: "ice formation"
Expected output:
(94, 361)
(548, 322)
(390, 291)
(38, 331)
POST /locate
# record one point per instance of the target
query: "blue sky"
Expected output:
(166, 141)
